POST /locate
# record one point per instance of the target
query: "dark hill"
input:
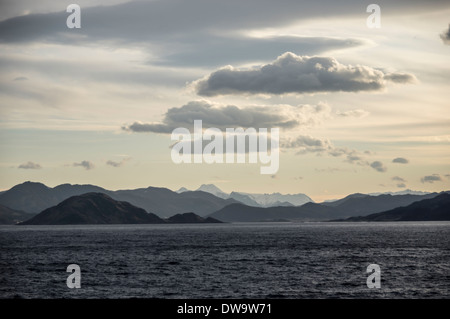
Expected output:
(362, 205)
(10, 216)
(93, 208)
(435, 209)
(244, 213)
(33, 197)
(191, 218)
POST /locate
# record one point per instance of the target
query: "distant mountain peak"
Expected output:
(29, 184)
(182, 190)
(210, 188)
(267, 200)
(213, 189)
(403, 192)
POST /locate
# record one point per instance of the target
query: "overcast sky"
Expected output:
(359, 109)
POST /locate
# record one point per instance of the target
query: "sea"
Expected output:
(310, 260)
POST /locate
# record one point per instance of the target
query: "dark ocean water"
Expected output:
(266, 260)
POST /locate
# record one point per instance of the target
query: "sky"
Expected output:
(359, 108)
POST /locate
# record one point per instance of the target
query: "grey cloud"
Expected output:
(195, 32)
(30, 165)
(330, 170)
(117, 164)
(431, 178)
(401, 185)
(145, 21)
(20, 78)
(231, 116)
(138, 127)
(86, 164)
(309, 141)
(291, 73)
(339, 151)
(307, 144)
(378, 166)
(400, 78)
(353, 158)
(398, 179)
(400, 160)
(13, 8)
(353, 113)
(176, 31)
(445, 36)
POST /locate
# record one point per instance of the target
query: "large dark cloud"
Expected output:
(198, 47)
(445, 36)
(232, 116)
(144, 20)
(171, 19)
(195, 32)
(291, 73)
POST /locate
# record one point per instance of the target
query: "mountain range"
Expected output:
(99, 208)
(31, 197)
(17, 203)
(257, 200)
(352, 205)
(437, 209)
